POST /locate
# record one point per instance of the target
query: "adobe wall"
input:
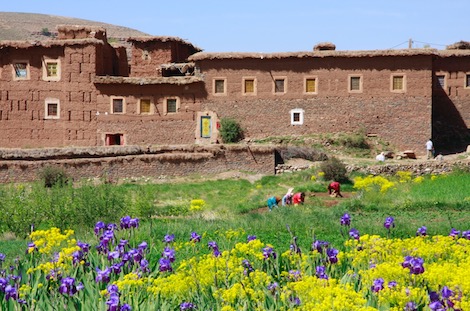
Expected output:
(22, 103)
(148, 56)
(451, 104)
(401, 118)
(126, 162)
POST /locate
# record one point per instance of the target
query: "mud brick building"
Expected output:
(79, 90)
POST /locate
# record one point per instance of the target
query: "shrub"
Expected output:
(334, 169)
(230, 130)
(53, 176)
(302, 153)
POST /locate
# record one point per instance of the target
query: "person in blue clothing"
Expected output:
(272, 202)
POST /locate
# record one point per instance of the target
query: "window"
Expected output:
(52, 108)
(219, 86)
(114, 139)
(297, 116)
(51, 70)
(440, 81)
(249, 86)
(21, 70)
(145, 106)
(171, 105)
(355, 84)
(311, 85)
(398, 83)
(467, 80)
(279, 86)
(117, 105)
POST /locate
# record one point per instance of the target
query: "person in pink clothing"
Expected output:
(298, 198)
(334, 189)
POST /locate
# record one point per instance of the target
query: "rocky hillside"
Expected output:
(30, 26)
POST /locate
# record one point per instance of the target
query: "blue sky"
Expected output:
(276, 25)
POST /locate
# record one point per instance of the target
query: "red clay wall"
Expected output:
(151, 163)
(22, 103)
(402, 118)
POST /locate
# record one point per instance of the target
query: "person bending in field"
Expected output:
(287, 198)
(272, 202)
(298, 198)
(334, 189)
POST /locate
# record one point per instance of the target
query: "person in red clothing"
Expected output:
(334, 189)
(298, 198)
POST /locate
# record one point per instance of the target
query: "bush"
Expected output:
(230, 131)
(302, 153)
(334, 169)
(53, 176)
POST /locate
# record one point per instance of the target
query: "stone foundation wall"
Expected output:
(114, 163)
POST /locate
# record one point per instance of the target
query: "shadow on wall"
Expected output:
(449, 131)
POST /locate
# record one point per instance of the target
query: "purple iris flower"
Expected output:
(319, 246)
(125, 222)
(84, 246)
(437, 306)
(251, 238)
(248, 268)
(422, 231)
(446, 292)
(122, 245)
(187, 306)
(294, 274)
(2, 257)
(215, 248)
(269, 252)
(392, 284)
(354, 233)
(169, 253)
(195, 237)
(415, 264)
(134, 223)
(332, 254)
(144, 265)
(345, 220)
(164, 265)
(117, 267)
(169, 238)
(295, 301)
(113, 255)
(454, 233)
(99, 227)
(3, 283)
(113, 301)
(320, 272)
(112, 288)
(125, 307)
(466, 235)
(389, 223)
(11, 292)
(411, 306)
(273, 286)
(378, 285)
(68, 286)
(103, 275)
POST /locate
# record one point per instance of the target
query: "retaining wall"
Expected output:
(113, 163)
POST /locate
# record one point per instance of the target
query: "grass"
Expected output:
(439, 203)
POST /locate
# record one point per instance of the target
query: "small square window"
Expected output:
(219, 86)
(279, 86)
(397, 83)
(118, 105)
(249, 86)
(441, 81)
(467, 80)
(297, 116)
(355, 83)
(51, 69)
(145, 106)
(52, 108)
(311, 85)
(171, 106)
(21, 70)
